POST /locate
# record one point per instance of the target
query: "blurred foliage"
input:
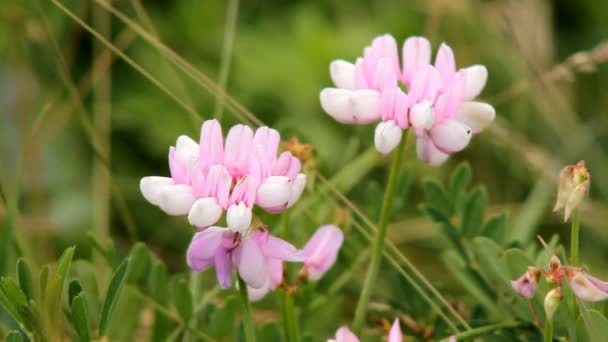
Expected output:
(547, 117)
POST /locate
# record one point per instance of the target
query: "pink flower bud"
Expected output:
(395, 334)
(525, 285)
(321, 250)
(344, 335)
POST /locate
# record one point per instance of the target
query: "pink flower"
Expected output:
(345, 335)
(525, 285)
(587, 287)
(438, 104)
(321, 251)
(211, 178)
(257, 255)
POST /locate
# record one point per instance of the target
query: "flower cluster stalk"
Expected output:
(248, 324)
(574, 260)
(372, 271)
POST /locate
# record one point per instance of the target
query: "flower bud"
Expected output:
(552, 300)
(387, 136)
(238, 217)
(395, 333)
(204, 212)
(573, 187)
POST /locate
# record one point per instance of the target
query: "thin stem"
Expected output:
(289, 318)
(378, 247)
(248, 323)
(548, 331)
(484, 330)
(574, 238)
(290, 324)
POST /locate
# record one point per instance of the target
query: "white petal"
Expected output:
(451, 136)
(336, 103)
(387, 136)
(342, 73)
(186, 148)
(238, 217)
(365, 105)
(422, 116)
(204, 212)
(428, 153)
(477, 115)
(296, 189)
(274, 191)
(177, 199)
(152, 186)
(476, 78)
(351, 106)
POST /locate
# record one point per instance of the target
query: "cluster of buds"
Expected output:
(584, 286)
(573, 187)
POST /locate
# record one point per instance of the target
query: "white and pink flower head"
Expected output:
(214, 177)
(438, 104)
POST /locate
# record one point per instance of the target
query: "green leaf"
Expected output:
(460, 180)
(435, 214)
(495, 227)
(222, 320)
(437, 197)
(139, 261)
(13, 292)
(56, 282)
(13, 336)
(112, 295)
(100, 248)
(591, 326)
(43, 279)
(24, 274)
(458, 267)
(182, 297)
(74, 290)
(80, 319)
(157, 283)
(474, 209)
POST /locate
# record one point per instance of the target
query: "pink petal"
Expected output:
(205, 212)
(238, 150)
(266, 141)
(416, 55)
(393, 106)
(322, 250)
(428, 152)
(296, 189)
(445, 63)
(345, 335)
(203, 247)
(211, 144)
(177, 199)
(223, 268)
(275, 272)
(395, 334)
(477, 115)
(585, 290)
(385, 76)
(280, 249)
(287, 165)
(244, 191)
(251, 262)
(274, 192)
(387, 136)
(238, 217)
(177, 168)
(424, 85)
(449, 101)
(217, 184)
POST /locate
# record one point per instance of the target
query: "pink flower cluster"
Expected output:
(259, 256)
(345, 335)
(211, 178)
(437, 105)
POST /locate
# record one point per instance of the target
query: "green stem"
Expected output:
(247, 318)
(289, 318)
(290, 324)
(484, 330)
(574, 238)
(548, 331)
(372, 271)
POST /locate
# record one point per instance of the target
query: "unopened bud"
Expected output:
(552, 300)
(573, 187)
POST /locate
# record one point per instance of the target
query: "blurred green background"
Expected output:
(548, 80)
